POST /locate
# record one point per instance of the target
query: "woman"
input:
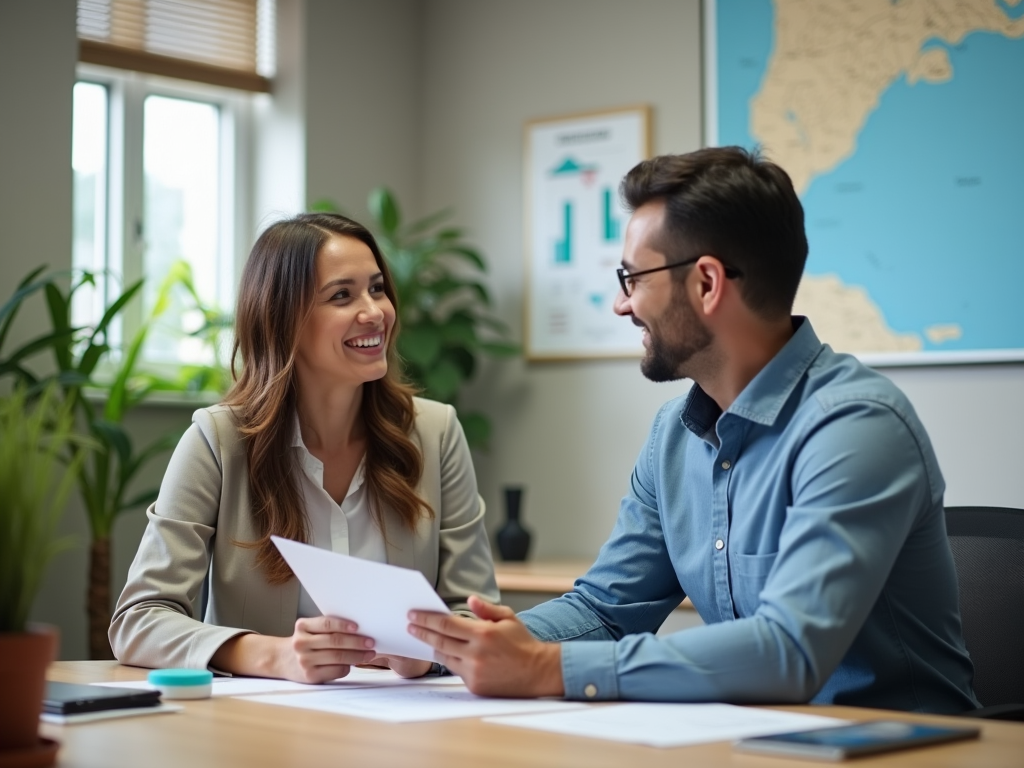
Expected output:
(319, 441)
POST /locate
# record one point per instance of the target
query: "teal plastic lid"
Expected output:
(181, 677)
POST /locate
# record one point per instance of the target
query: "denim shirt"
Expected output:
(806, 525)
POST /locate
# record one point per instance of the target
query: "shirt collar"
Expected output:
(313, 464)
(763, 398)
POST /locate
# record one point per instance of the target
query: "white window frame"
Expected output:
(123, 238)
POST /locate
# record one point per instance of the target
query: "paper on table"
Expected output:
(108, 714)
(670, 725)
(376, 596)
(413, 704)
(250, 686)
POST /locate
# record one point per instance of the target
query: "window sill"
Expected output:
(162, 399)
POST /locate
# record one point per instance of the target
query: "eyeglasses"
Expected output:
(626, 279)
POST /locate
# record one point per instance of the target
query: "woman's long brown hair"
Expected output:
(275, 298)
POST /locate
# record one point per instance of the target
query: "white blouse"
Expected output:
(348, 528)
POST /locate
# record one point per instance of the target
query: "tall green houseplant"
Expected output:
(445, 310)
(35, 482)
(35, 433)
(107, 474)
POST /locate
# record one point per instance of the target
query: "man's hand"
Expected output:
(496, 656)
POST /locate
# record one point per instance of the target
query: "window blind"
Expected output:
(222, 42)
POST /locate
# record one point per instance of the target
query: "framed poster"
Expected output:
(910, 170)
(575, 225)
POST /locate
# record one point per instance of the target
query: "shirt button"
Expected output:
(726, 464)
(590, 690)
(719, 544)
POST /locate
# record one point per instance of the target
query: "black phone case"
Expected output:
(72, 699)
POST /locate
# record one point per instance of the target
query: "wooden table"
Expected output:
(225, 732)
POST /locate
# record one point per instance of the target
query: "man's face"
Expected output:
(658, 303)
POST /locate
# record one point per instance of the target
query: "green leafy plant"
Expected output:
(445, 310)
(35, 482)
(108, 473)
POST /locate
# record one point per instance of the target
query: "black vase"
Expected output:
(513, 538)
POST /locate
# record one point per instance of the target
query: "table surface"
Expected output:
(551, 576)
(232, 731)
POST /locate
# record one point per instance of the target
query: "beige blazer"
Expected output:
(204, 507)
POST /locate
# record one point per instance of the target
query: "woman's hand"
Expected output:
(320, 649)
(323, 648)
(402, 666)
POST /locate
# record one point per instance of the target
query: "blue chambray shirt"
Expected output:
(806, 525)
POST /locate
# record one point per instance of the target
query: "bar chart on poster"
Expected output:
(575, 226)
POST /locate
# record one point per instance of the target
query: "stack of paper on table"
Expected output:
(407, 704)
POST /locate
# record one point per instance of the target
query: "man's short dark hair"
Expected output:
(736, 206)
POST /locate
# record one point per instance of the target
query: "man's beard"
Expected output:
(682, 336)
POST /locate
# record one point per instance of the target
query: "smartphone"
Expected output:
(72, 699)
(845, 741)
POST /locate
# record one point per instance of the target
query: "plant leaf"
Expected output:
(59, 317)
(324, 205)
(384, 210)
(481, 291)
(464, 360)
(91, 357)
(426, 223)
(499, 348)
(55, 341)
(115, 308)
(10, 308)
(420, 344)
(143, 499)
(160, 445)
(468, 254)
(442, 381)
(477, 428)
(458, 330)
(113, 436)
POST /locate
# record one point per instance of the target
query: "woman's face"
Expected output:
(346, 337)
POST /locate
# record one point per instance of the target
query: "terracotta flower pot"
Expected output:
(24, 657)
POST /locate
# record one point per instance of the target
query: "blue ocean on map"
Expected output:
(928, 213)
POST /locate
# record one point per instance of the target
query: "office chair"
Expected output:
(988, 549)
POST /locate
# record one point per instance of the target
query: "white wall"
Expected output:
(362, 101)
(38, 50)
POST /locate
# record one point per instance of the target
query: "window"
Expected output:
(160, 152)
(158, 178)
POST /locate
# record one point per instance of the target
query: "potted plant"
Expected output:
(444, 308)
(35, 480)
(107, 474)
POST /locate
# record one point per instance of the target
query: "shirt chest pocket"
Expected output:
(747, 575)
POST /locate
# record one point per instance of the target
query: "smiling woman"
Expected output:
(319, 441)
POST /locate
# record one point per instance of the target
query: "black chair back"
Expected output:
(988, 548)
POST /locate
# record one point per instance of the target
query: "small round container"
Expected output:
(182, 683)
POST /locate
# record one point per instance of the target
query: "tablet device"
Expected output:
(845, 741)
(72, 699)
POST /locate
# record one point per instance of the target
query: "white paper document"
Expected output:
(407, 704)
(359, 677)
(376, 596)
(669, 725)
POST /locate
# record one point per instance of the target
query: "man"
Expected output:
(793, 494)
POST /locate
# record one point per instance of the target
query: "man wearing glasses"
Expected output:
(792, 494)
